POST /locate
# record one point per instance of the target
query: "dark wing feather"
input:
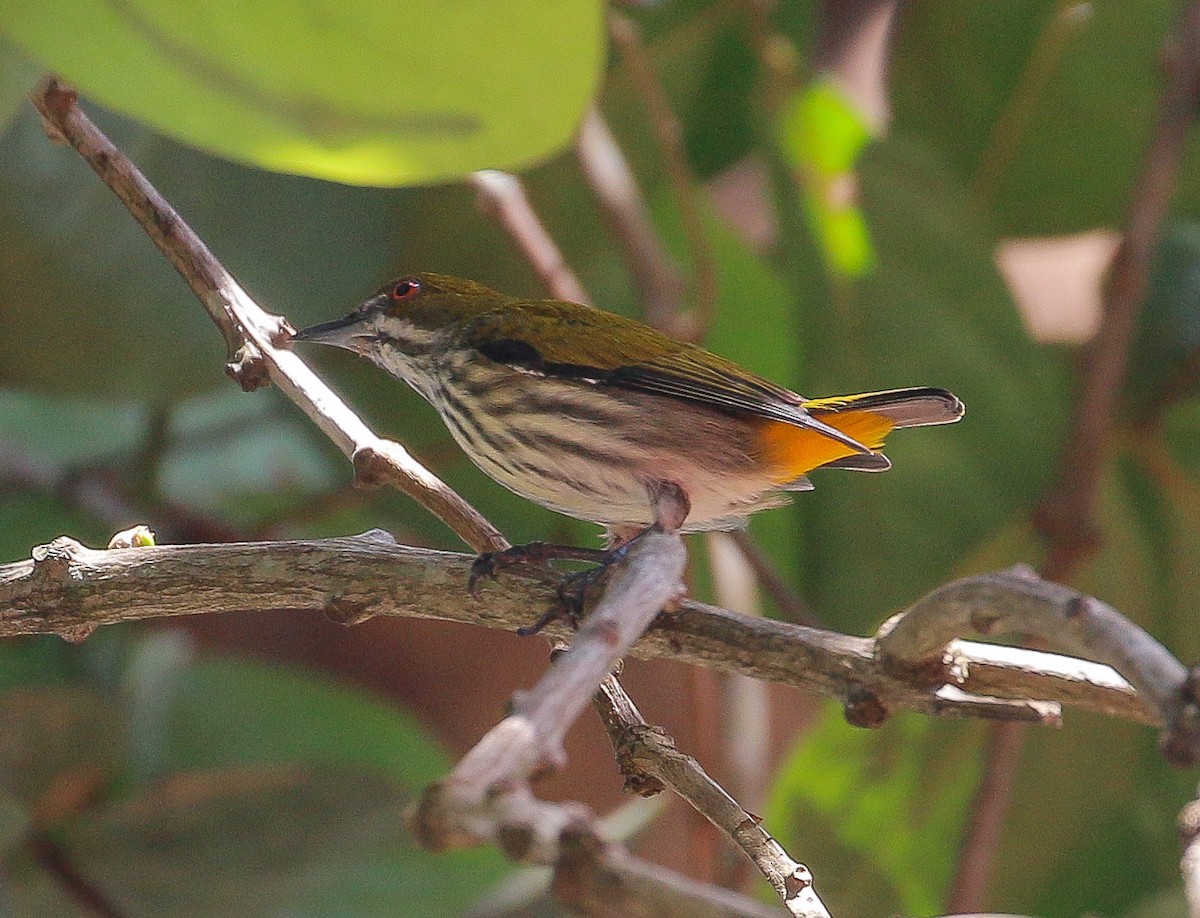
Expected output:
(585, 344)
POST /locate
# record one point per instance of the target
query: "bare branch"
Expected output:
(354, 578)
(658, 285)
(486, 797)
(529, 740)
(1066, 516)
(502, 197)
(667, 131)
(251, 334)
(647, 753)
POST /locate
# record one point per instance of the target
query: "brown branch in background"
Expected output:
(785, 598)
(51, 857)
(502, 197)
(649, 759)
(852, 48)
(658, 285)
(986, 818)
(1066, 516)
(669, 134)
(251, 334)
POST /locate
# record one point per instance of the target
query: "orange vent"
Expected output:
(796, 451)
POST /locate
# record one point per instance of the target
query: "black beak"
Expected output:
(350, 333)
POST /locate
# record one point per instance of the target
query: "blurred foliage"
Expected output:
(180, 785)
(399, 96)
(284, 790)
(823, 134)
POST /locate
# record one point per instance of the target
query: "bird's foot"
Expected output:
(572, 591)
(490, 563)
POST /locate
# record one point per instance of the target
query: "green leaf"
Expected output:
(1168, 330)
(261, 457)
(934, 311)
(365, 92)
(273, 840)
(79, 278)
(876, 814)
(823, 131)
(1043, 106)
(18, 76)
(229, 712)
(824, 135)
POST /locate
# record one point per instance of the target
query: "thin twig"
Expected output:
(644, 750)
(251, 334)
(486, 796)
(502, 197)
(669, 134)
(86, 895)
(658, 285)
(1066, 516)
(1066, 20)
(787, 599)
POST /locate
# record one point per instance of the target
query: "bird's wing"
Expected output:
(567, 341)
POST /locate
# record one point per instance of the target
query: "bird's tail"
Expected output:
(868, 418)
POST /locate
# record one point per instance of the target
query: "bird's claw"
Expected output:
(569, 598)
(490, 563)
(568, 601)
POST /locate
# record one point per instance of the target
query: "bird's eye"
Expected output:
(406, 288)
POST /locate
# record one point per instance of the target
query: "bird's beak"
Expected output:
(351, 333)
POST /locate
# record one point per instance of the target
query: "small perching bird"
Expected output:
(603, 418)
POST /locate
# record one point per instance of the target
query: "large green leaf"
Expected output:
(1168, 331)
(933, 311)
(263, 841)
(88, 305)
(220, 782)
(876, 814)
(18, 76)
(368, 92)
(1045, 105)
(230, 712)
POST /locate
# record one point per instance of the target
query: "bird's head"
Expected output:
(412, 315)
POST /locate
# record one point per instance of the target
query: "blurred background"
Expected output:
(841, 196)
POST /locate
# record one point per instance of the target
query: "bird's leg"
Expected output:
(490, 563)
(671, 507)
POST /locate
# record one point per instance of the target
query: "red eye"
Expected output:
(406, 288)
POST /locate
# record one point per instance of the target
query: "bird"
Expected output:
(603, 418)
